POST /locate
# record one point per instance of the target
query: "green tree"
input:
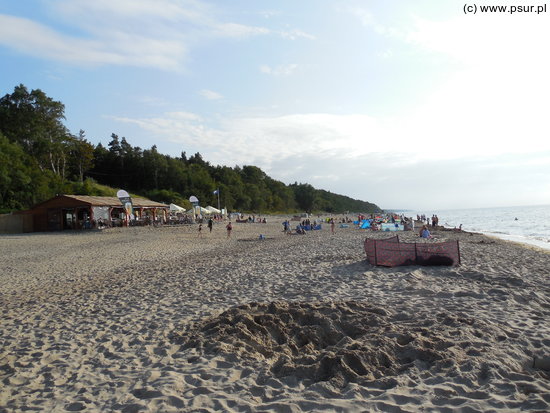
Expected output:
(22, 184)
(155, 166)
(253, 175)
(305, 196)
(82, 155)
(35, 121)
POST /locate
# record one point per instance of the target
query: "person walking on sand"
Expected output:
(332, 225)
(210, 224)
(200, 231)
(229, 228)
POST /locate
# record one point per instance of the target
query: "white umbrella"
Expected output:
(213, 210)
(201, 210)
(176, 208)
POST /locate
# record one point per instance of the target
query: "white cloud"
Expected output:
(268, 14)
(210, 95)
(152, 101)
(119, 49)
(494, 94)
(280, 70)
(142, 33)
(272, 136)
(296, 34)
(495, 39)
(392, 181)
(383, 161)
(425, 135)
(34, 38)
(172, 126)
(367, 18)
(238, 30)
(166, 9)
(386, 54)
(496, 99)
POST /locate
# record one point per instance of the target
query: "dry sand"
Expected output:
(160, 320)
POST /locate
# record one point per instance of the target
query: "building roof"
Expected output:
(112, 201)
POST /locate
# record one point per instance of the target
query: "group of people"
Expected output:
(307, 224)
(434, 220)
(300, 228)
(424, 231)
(252, 219)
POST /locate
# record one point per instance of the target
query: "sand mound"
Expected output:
(338, 342)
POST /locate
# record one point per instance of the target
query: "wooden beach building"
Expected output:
(79, 212)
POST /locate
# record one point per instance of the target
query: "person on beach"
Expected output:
(200, 231)
(425, 232)
(210, 224)
(332, 225)
(286, 227)
(229, 228)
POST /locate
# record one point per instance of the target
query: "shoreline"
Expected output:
(539, 245)
(517, 224)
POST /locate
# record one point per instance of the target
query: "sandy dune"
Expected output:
(159, 319)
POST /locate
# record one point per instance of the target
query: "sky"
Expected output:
(409, 104)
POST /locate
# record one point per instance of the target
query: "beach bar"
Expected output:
(78, 212)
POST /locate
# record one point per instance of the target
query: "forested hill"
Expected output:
(40, 157)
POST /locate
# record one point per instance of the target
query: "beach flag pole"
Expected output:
(217, 192)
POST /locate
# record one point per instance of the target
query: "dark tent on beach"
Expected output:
(392, 253)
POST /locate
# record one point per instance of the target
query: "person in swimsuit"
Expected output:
(229, 228)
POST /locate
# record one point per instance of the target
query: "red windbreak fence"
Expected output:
(392, 253)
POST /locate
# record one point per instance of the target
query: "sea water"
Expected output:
(528, 224)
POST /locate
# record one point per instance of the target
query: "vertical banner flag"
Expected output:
(195, 202)
(126, 202)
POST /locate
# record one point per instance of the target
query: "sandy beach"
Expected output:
(162, 320)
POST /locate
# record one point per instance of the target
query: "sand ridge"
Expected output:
(158, 319)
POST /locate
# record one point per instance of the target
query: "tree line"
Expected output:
(40, 157)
